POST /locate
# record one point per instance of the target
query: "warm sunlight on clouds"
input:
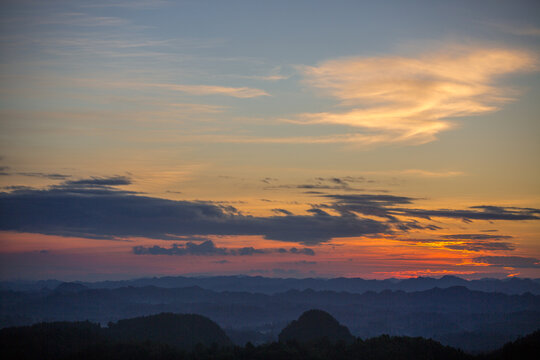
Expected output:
(239, 92)
(409, 99)
(199, 90)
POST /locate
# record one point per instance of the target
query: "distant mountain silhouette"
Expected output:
(265, 285)
(182, 331)
(315, 325)
(70, 288)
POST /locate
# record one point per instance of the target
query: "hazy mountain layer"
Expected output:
(468, 319)
(274, 285)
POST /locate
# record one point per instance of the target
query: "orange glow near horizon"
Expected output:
(365, 257)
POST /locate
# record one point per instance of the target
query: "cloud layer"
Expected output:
(209, 248)
(509, 261)
(95, 208)
(467, 242)
(391, 206)
(401, 99)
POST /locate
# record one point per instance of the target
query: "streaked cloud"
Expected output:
(80, 19)
(282, 212)
(208, 248)
(99, 182)
(428, 173)
(476, 236)
(304, 251)
(392, 207)
(410, 99)
(481, 246)
(239, 92)
(53, 176)
(131, 4)
(205, 248)
(508, 261)
(95, 208)
(265, 77)
(324, 139)
(4, 171)
(320, 183)
(517, 29)
(466, 242)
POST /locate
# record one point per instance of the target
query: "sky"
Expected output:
(374, 139)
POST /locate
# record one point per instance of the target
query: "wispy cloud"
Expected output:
(515, 29)
(405, 99)
(417, 173)
(325, 139)
(466, 242)
(53, 176)
(391, 207)
(79, 19)
(265, 77)
(239, 92)
(321, 183)
(428, 173)
(205, 248)
(508, 261)
(131, 4)
(208, 248)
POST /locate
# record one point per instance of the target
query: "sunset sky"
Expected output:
(370, 139)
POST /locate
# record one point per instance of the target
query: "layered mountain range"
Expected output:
(456, 315)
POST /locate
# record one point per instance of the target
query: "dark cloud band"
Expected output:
(97, 208)
(509, 261)
(208, 248)
(94, 208)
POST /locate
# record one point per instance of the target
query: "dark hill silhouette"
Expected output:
(525, 348)
(315, 325)
(405, 348)
(48, 340)
(85, 341)
(182, 331)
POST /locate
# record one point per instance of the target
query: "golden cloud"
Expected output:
(398, 99)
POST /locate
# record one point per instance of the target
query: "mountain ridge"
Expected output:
(274, 285)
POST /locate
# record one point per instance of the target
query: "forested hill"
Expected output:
(164, 336)
(182, 331)
(314, 325)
